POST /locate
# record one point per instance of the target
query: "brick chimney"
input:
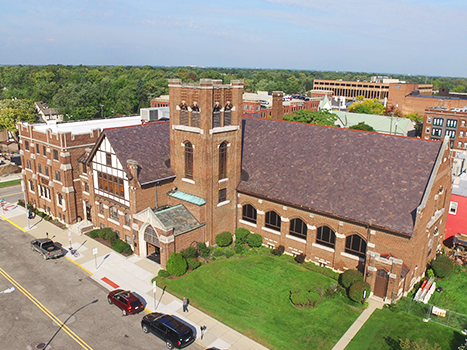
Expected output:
(277, 110)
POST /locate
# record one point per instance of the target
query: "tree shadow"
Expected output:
(392, 343)
(458, 339)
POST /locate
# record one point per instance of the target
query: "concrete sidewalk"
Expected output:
(112, 270)
(373, 304)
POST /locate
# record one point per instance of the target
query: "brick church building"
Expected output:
(346, 199)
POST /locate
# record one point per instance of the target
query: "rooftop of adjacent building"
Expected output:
(381, 123)
(84, 126)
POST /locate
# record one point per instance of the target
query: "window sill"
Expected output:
(351, 256)
(223, 180)
(247, 223)
(222, 203)
(272, 231)
(317, 245)
(101, 215)
(114, 221)
(126, 227)
(190, 181)
(301, 240)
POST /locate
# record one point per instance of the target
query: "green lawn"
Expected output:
(251, 295)
(10, 183)
(385, 327)
(454, 296)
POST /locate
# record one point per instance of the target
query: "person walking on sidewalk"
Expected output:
(185, 304)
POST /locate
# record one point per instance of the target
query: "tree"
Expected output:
(367, 107)
(362, 126)
(13, 112)
(322, 117)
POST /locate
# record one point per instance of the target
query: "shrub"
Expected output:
(119, 246)
(305, 298)
(224, 239)
(442, 267)
(176, 264)
(239, 249)
(189, 253)
(430, 273)
(333, 291)
(41, 214)
(349, 277)
(356, 290)
(229, 252)
(194, 264)
(218, 252)
(94, 233)
(204, 250)
(47, 218)
(254, 240)
(241, 234)
(108, 234)
(163, 273)
(279, 250)
(21, 203)
(300, 258)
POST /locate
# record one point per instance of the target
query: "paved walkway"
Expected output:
(112, 270)
(374, 303)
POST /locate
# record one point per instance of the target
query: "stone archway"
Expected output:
(152, 244)
(381, 283)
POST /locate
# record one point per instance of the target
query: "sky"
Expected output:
(377, 36)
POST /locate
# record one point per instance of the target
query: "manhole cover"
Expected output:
(40, 346)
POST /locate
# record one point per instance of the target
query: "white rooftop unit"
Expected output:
(155, 113)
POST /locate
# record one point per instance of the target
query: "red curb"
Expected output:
(106, 280)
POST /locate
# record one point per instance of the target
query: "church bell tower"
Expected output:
(205, 149)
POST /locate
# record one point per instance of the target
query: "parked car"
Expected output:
(47, 248)
(125, 301)
(173, 331)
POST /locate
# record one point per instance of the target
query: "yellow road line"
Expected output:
(74, 262)
(54, 318)
(13, 194)
(11, 222)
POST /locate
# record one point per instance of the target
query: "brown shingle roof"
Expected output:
(148, 144)
(372, 178)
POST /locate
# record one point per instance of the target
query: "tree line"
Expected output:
(88, 92)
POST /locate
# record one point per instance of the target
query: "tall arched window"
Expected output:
(223, 160)
(273, 221)
(249, 213)
(298, 228)
(188, 160)
(325, 236)
(355, 245)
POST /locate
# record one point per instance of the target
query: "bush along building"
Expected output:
(343, 198)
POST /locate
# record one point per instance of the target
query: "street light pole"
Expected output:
(23, 185)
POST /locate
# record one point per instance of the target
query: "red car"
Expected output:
(126, 301)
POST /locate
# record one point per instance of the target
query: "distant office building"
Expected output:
(442, 121)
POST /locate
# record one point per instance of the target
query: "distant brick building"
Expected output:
(346, 199)
(55, 180)
(441, 122)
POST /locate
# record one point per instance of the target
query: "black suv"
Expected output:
(173, 331)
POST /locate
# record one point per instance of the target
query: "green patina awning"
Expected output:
(188, 198)
(179, 218)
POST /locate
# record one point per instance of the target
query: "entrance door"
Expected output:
(153, 253)
(88, 212)
(381, 283)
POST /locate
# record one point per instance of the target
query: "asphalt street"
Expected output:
(50, 292)
(12, 194)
